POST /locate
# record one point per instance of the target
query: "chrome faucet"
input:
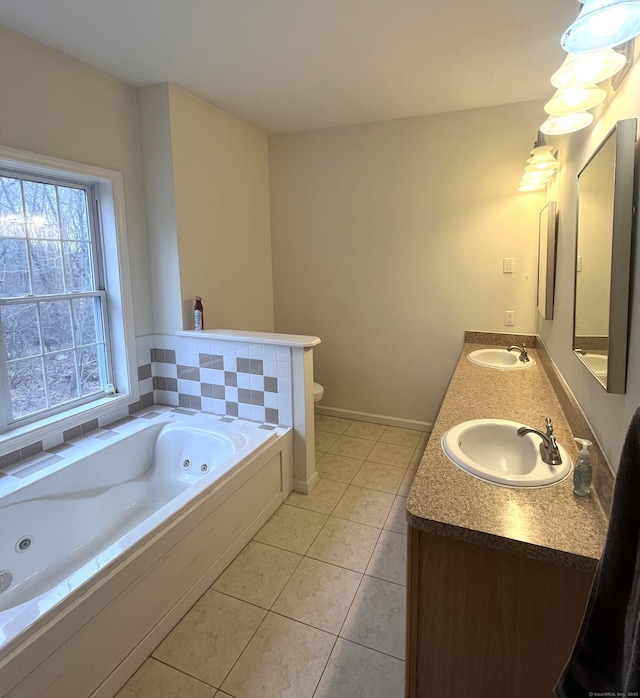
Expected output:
(549, 447)
(524, 355)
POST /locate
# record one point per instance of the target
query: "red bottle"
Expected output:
(198, 314)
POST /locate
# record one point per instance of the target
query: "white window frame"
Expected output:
(117, 283)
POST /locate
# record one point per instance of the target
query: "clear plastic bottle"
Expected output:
(198, 314)
(583, 470)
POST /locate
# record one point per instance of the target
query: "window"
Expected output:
(52, 299)
(66, 325)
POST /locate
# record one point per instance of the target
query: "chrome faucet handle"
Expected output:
(524, 355)
(549, 450)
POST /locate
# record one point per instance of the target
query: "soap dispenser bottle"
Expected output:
(583, 471)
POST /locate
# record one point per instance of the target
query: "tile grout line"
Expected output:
(181, 671)
(362, 576)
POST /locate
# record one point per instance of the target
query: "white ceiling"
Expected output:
(294, 65)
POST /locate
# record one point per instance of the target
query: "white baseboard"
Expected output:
(375, 418)
(305, 486)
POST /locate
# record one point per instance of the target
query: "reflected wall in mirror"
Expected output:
(603, 257)
(547, 241)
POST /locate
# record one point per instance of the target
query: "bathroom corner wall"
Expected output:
(157, 161)
(608, 415)
(388, 241)
(207, 183)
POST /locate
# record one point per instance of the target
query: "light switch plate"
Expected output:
(509, 318)
(507, 265)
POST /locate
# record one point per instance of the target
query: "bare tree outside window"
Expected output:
(51, 303)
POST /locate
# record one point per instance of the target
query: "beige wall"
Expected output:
(157, 161)
(221, 173)
(388, 241)
(54, 105)
(609, 415)
(207, 185)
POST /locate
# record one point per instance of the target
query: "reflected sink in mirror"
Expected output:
(500, 359)
(491, 450)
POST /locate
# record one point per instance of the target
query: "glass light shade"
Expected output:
(567, 123)
(574, 99)
(542, 158)
(531, 186)
(588, 68)
(535, 181)
(537, 174)
(602, 24)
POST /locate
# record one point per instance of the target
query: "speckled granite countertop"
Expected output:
(547, 523)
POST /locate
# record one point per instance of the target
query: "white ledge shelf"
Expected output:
(291, 340)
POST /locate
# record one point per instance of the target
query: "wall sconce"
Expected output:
(602, 24)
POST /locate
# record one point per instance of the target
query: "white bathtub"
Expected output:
(79, 538)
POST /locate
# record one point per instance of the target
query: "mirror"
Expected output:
(603, 257)
(547, 240)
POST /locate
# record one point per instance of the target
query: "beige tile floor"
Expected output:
(314, 605)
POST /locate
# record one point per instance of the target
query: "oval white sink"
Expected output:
(499, 358)
(491, 450)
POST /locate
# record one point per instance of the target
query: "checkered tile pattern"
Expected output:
(238, 379)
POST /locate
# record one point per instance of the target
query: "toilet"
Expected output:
(318, 392)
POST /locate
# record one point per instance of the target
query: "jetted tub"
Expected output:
(80, 541)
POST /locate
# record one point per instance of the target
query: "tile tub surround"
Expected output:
(262, 376)
(234, 378)
(43, 448)
(548, 523)
(253, 380)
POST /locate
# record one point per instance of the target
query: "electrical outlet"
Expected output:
(507, 265)
(509, 317)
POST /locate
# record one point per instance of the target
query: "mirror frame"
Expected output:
(547, 245)
(624, 133)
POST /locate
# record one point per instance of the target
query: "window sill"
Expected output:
(55, 425)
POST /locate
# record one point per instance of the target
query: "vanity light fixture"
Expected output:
(533, 175)
(541, 167)
(566, 123)
(532, 186)
(588, 68)
(572, 99)
(539, 179)
(542, 159)
(602, 24)
(590, 60)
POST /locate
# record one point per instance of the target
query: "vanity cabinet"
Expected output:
(485, 622)
(498, 577)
